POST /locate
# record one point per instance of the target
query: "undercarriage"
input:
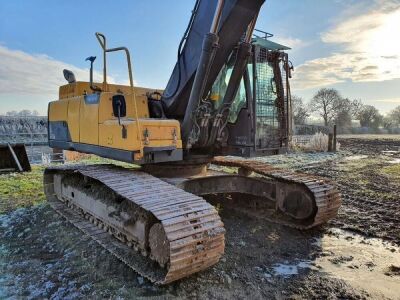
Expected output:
(155, 220)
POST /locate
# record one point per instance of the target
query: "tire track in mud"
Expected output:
(370, 200)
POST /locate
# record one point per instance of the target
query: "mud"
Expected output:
(370, 146)
(42, 256)
(371, 198)
(355, 256)
(370, 265)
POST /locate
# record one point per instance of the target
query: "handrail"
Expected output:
(266, 34)
(102, 40)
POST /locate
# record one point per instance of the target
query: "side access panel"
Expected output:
(89, 120)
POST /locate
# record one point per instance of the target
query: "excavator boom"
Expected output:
(236, 16)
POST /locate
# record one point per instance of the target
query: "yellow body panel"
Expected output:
(110, 134)
(80, 88)
(73, 117)
(106, 112)
(89, 123)
(58, 110)
(90, 120)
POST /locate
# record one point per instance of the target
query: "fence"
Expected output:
(32, 139)
(301, 139)
(305, 134)
(310, 130)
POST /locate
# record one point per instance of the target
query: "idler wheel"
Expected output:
(159, 244)
(298, 205)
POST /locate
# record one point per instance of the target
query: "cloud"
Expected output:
(390, 56)
(22, 73)
(368, 46)
(293, 43)
(389, 100)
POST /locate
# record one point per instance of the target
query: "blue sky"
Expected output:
(336, 43)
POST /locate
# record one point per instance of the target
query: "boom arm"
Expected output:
(235, 19)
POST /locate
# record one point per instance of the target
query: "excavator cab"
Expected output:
(259, 119)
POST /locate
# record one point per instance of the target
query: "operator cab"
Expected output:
(262, 100)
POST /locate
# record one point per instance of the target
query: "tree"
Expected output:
(25, 113)
(299, 111)
(22, 113)
(345, 111)
(369, 116)
(325, 103)
(343, 120)
(394, 116)
(388, 122)
(12, 113)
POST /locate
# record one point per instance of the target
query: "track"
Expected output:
(324, 193)
(193, 229)
(182, 233)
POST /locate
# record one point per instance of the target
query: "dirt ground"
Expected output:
(369, 181)
(355, 256)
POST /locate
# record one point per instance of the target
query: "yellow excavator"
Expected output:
(228, 98)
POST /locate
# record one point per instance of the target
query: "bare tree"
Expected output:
(324, 103)
(355, 107)
(388, 122)
(12, 113)
(345, 111)
(369, 116)
(299, 111)
(394, 116)
(22, 113)
(25, 113)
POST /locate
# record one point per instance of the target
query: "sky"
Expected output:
(350, 45)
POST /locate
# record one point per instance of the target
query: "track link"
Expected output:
(192, 226)
(324, 192)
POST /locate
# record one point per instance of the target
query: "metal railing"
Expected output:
(304, 130)
(32, 138)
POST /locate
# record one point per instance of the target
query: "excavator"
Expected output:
(228, 99)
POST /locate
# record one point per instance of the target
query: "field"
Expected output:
(355, 256)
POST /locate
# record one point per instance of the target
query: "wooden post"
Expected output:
(334, 138)
(330, 138)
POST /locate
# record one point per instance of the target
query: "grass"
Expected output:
(21, 189)
(93, 159)
(373, 175)
(392, 171)
(26, 189)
